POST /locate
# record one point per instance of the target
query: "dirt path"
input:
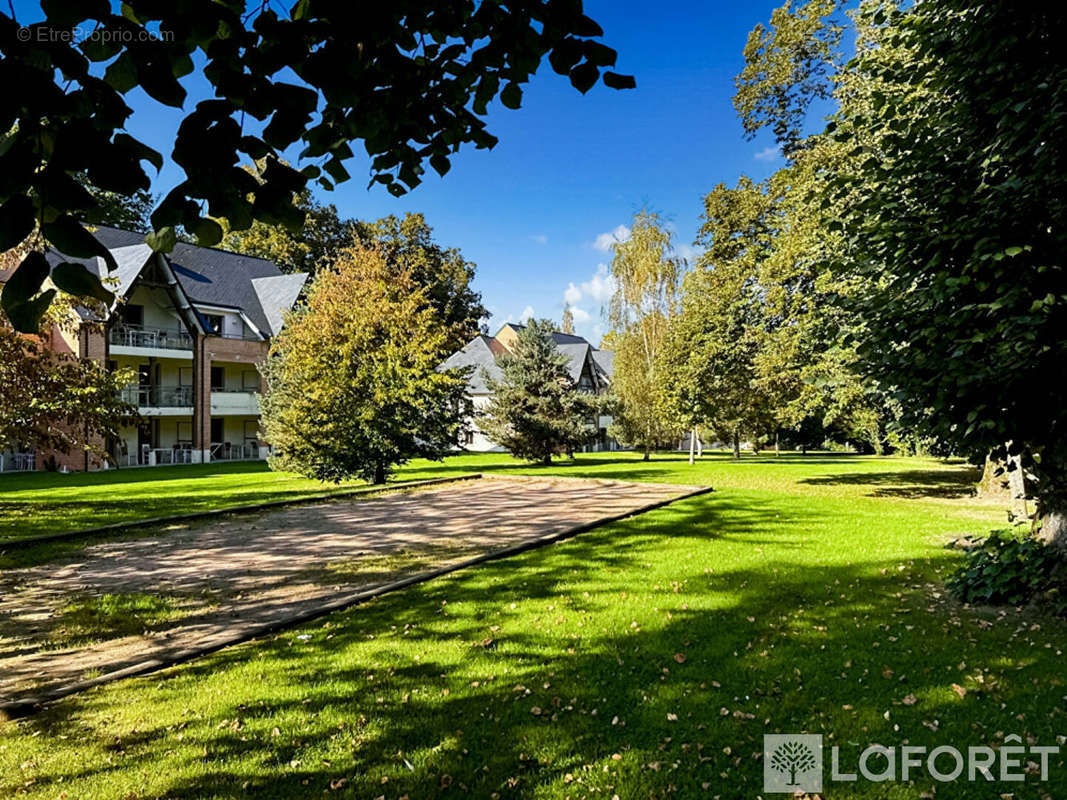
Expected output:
(198, 585)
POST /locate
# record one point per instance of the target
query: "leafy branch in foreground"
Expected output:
(358, 70)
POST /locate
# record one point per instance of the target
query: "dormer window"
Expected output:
(213, 323)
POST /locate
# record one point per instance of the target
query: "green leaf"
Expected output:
(163, 240)
(77, 280)
(16, 220)
(511, 97)
(615, 81)
(440, 163)
(16, 299)
(26, 317)
(121, 74)
(207, 232)
(1013, 251)
(143, 151)
(68, 236)
(584, 77)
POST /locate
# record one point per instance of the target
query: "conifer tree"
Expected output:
(536, 411)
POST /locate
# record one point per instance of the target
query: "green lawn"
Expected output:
(644, 659)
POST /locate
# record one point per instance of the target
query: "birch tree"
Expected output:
(648, 275)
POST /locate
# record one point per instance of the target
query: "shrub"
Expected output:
(1012, 568)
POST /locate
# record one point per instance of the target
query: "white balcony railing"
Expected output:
(125, 335)
(18, 462)
(250, 451)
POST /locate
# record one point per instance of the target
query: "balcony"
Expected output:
(18, 462)
(234, 401)
(249, 451)
(158, 397)
(140, 337)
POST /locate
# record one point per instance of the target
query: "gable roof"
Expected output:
(252, 285)
(482, 352)
(477, 353)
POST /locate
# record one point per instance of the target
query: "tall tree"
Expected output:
(949, 195)
(319, 76)
(566, 324)
(315, 246)
(536, 411)
(648, 275)
(710, 351)
(408, 243)
(354, 388)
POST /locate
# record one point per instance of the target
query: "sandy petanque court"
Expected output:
(203, 585)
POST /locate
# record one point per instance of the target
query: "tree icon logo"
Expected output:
(792, 763)
(789, 757)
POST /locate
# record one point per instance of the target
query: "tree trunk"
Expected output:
(700, 444)
(1053, 531)
(648, 455)
(737, 444)
(777, 445)
(379, 472)
(546, 460)
(692, 445)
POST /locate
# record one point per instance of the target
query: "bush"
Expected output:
(1010, 568)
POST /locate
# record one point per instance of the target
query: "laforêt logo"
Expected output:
(792, 762)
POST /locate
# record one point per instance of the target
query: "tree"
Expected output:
(353, 384)
(711, 346)
(315, 246)
(535, 410)
(648, 275)
(566, 324)
(129, 212)
(949, 198)
(408, 243)
(321, 77)
(54, 401)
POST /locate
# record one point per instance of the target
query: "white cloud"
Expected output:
(689, 253)
(540, 238)
(767, 154)
(527, 313)
(572, 294)
(605, 241)
(601, 286)
(580, 314)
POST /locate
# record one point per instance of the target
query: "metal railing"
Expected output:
(126, 335)
(157, 456)
(159, 396)
(18, 462)
(251, 451)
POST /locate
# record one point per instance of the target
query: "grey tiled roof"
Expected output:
(477, 354)
(605, 360)
(276, 295)
(576, 353)
(209, 276)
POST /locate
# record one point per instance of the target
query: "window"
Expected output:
(185, 376)
(217, 429)
(218, 379)
(213, 323)
(250, 380)
(185, 433)
(133, 315)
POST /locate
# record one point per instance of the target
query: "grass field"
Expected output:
(644, 659)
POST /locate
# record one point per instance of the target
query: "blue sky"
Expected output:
(570, 168)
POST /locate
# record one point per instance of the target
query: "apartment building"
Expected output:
(193, 325)
(590, 370)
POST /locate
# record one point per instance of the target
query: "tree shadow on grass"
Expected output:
(947, 484)
(557, 674)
